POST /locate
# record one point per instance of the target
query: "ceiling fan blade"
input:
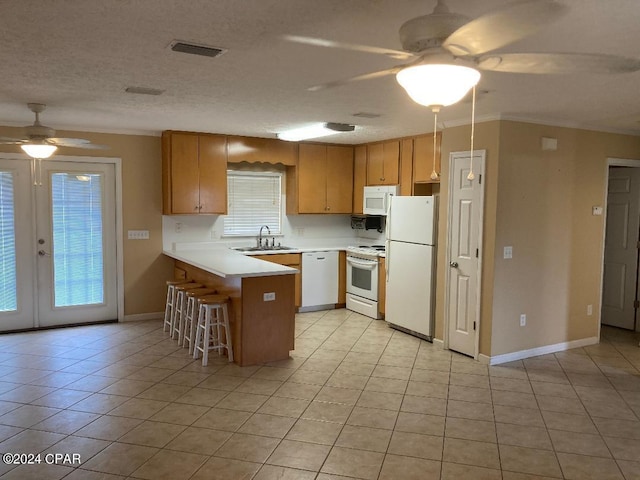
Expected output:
(559, 63)
(10, 141)
(75, 143)
(366, 76)
(319, 42)
(502, 27)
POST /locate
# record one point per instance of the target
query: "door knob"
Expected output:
(453, 264)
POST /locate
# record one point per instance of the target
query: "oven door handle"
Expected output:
(365, 264)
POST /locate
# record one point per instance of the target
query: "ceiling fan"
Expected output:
(41, 142)
(446, 50)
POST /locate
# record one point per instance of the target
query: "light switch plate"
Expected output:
(508, 252)
(596, 210)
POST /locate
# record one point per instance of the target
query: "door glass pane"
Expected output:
(8, 289)
(77, 239)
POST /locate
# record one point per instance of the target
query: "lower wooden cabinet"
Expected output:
(292, 260)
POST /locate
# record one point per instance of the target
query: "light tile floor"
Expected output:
(355, 400)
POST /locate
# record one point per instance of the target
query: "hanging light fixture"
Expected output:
(39, 150)
(434, 84)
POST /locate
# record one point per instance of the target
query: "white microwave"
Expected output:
(376, 199)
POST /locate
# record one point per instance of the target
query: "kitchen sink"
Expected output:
(262, 249)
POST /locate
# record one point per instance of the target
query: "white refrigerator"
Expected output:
(410, 264)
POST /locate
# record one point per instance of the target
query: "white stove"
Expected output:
(362, 279)
(366, 251)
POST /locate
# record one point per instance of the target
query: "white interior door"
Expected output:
(464, 245)
(58, 242)
(16, 246)
(621, 248)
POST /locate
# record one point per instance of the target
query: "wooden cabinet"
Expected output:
(423, 158)
(406, 166)
(194, 173)
(342, 278)
(264, 150)
(383, 163)
(323, 180)
(359, 177)
(290, 260)
(382, 285)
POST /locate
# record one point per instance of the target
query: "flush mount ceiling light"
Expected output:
(316, 130)
(38, 150)
(437, 85)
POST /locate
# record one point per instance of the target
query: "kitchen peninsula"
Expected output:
(262, 311)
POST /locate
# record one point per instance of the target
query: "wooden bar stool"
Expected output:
(171, 300)
(213, 317)
(191, 317)
(180, 307)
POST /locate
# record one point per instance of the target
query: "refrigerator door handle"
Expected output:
(387, 264)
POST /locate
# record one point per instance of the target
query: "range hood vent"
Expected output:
(193, 49)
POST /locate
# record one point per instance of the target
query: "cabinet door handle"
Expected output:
(197, 207)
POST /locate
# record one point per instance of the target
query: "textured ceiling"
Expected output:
(79, 56)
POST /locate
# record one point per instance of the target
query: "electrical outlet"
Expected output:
(269, 296)
(212, 234)
(300, 232)
(589, 310)
(178, 227)
(138, 234)
(523, 319)
(508, 252)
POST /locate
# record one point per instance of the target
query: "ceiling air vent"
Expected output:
(144, 91)
(192, 48)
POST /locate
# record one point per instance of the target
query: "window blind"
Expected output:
(77, 239)
(8, 279)
(254, 200)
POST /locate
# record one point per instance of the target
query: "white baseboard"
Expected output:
(534, 352)
(143, 316)
(439, 342)
(484, 359)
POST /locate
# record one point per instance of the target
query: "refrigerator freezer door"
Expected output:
(409, 300)
(411, 219)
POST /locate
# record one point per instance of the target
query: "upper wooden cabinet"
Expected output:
(359, 177)
(423, 158)
(194, 173)
(323, 180)
(266, 150)
(383, 163)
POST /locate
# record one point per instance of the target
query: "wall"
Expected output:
(456, 139)
(145, 268)
(544, 201)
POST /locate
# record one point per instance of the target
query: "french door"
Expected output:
(58, 243)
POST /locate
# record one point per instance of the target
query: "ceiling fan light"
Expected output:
(434, 85)
(316, 130)
(39, 150)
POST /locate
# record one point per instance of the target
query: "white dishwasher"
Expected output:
(319, 280)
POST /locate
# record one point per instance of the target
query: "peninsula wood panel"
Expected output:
(292, 260)
(261, 331)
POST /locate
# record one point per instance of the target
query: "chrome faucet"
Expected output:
(260, 235)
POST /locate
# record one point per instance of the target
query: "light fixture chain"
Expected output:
(471, 175)
(434, 174)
